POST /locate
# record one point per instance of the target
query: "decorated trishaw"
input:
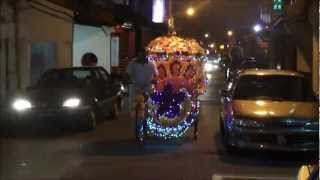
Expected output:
(172, 107)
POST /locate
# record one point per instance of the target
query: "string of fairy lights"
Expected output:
(177, 56)
(173, 131)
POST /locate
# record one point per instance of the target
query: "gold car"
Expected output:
(270, 110)
(308, 172)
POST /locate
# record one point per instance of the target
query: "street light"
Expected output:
(212, 45)
(190, 11)
(221, 47)
(230, 33)
(206, 35)
(257, 28)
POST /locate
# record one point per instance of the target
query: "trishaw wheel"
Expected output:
(141, 139)
(140, 132)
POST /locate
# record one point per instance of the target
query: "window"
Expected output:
(104, 74)
(273, 87)
(67, 78)
(82, 74)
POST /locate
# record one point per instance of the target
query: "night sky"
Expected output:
(216, 17)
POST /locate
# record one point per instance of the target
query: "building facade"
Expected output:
(35, 35)
(294, 39)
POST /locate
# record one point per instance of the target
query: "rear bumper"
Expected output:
(275, 140)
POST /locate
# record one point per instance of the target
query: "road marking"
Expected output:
(234, 177)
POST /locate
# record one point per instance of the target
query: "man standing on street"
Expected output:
(141, 73)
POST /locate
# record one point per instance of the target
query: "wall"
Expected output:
(8, 75)
(313, 17)
(302, 66)
(40, 21)
(303, 25)
(92, 39)
(127, 44)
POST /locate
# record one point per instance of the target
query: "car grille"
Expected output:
(290, 140)
(46, 105)
(286, 123)
(301, 139)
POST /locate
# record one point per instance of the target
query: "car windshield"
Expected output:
(272, 87)
(66, 78)
(249, 64)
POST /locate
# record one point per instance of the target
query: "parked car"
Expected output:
(308, 172)
(270, 110)
(70, 97)
(249, 63)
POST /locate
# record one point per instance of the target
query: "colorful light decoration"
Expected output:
(178, 56)
(177, 130)
(172, 112)
(168, 104)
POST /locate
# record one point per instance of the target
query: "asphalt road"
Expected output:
(111, 153)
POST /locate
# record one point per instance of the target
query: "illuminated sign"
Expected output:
(158, 11)
(277, 5)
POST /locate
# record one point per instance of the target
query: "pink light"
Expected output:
(158, 11)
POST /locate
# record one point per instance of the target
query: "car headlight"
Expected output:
(21, 104)
(208, 67)
(246, 123)
(72, 103)
(122, 87)
(312, 125)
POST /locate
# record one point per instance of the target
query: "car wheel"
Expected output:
(222, 131)
(225, 138)
(140, 133)
(90, 123)
(229, 148)
(115, 111)
(120, 103)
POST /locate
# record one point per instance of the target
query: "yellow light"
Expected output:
(209, 76)
(260, 103)
(206, 35)
(190, 11)
(261, 113)
(212, 45)
(222, 47)
(230, 33)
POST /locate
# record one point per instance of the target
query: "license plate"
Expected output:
(44, 115)
(281, 140)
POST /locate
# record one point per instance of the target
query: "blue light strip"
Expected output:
(180, 129)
